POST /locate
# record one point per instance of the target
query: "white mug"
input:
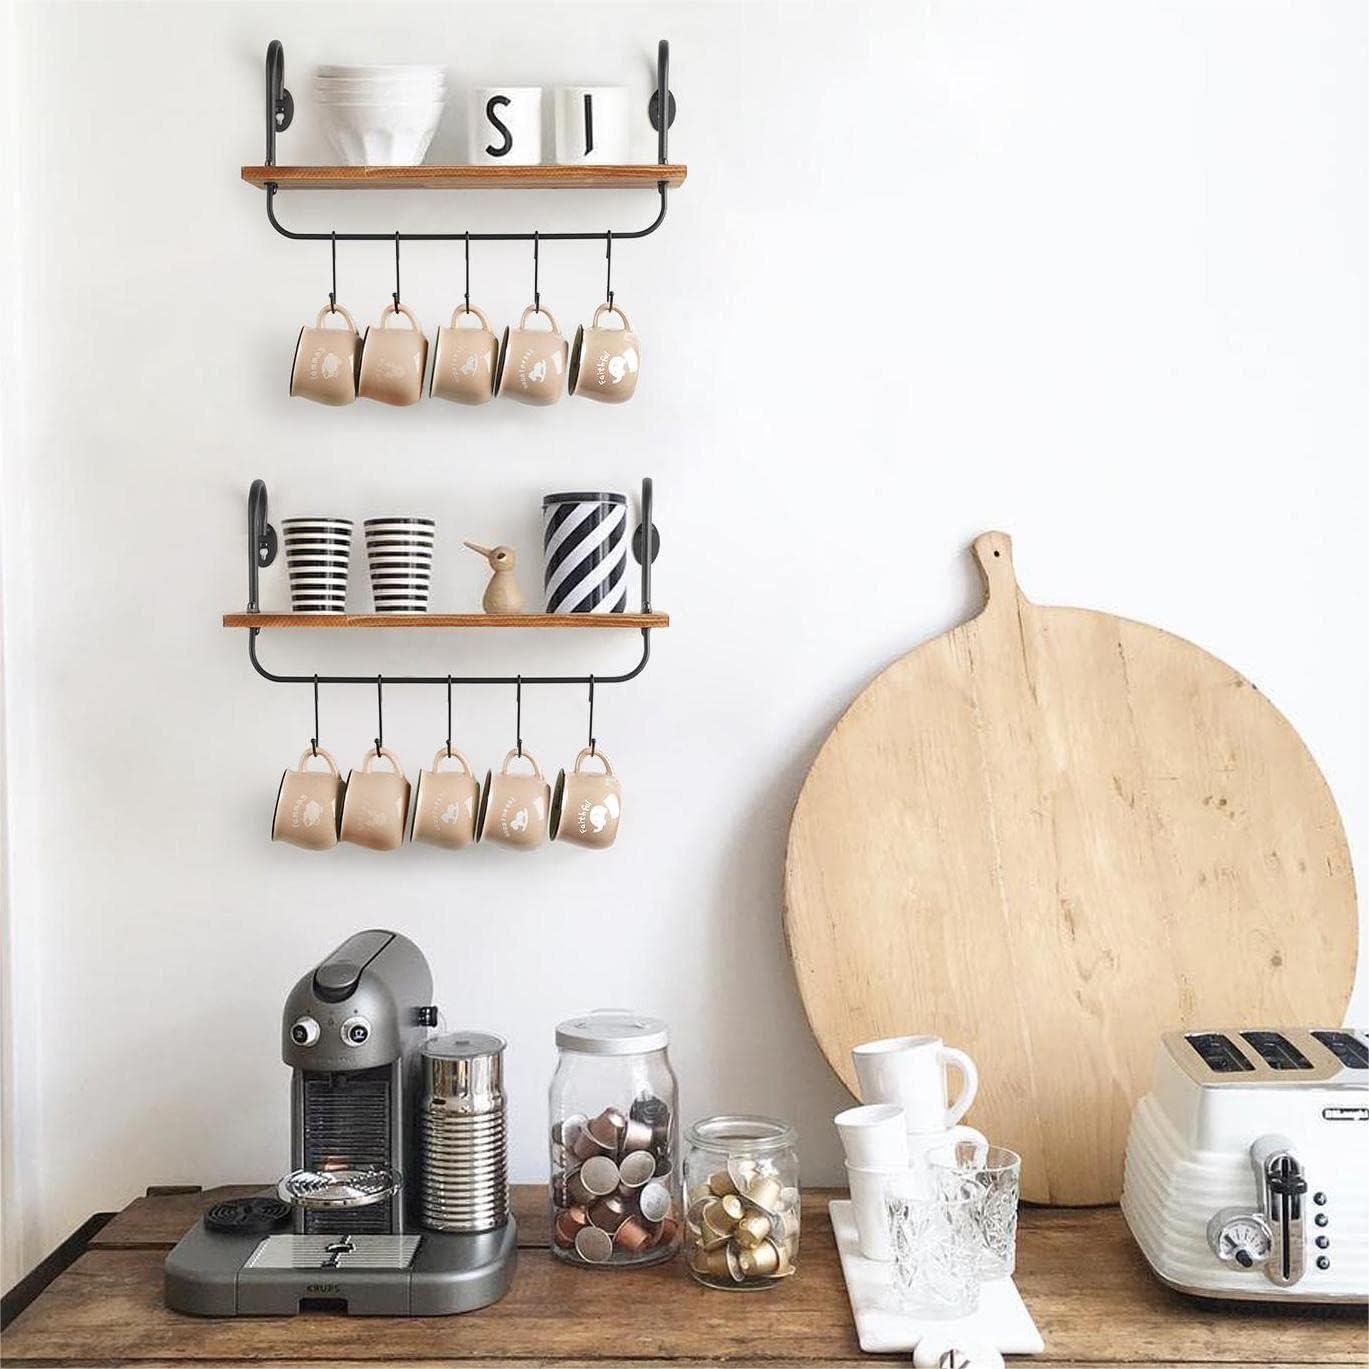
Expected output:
(506, 126)
(875, 1134)
(591, 125)
(910, 1071)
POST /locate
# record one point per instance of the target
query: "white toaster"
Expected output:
(1247, 1166)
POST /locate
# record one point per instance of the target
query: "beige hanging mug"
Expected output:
(513, 808)
(393, 359)
(445, 802)
(307, 804)
(532, 361)
(326, 360)
(464, 360)
(375, 808)
(604, 361)
(585, 806)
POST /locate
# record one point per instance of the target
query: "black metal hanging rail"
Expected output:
(262, 546)
(280, 112)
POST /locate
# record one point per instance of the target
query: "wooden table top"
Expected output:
(1086, 1284)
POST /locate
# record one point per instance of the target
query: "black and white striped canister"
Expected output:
(400, 554)
(317, 554)
(584, 552)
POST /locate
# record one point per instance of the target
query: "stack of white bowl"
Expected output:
(381, 115)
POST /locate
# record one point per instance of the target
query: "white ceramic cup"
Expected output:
(506, 126)
(874, 1134)
(911, 1072)
(591, 125)
(866, 1183)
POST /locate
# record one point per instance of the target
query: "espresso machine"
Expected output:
(396, 1203)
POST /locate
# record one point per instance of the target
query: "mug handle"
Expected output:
(372, 757)
(948, 1055)
(311, 753)
(443, 754)
(461, 311)
(392, 310)
(611, 309)
(546, 313)
(527, 756)
(597, 755)
(335, 309)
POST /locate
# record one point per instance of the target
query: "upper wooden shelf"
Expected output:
(336, 620)
(467, 177)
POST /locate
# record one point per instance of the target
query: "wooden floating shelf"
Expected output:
(400, 620)
(467, 177)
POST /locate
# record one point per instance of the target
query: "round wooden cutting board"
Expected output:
(1048, 836)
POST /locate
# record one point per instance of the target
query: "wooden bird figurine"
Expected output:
(502, 594)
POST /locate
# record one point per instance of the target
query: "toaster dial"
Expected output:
(1238, 1236)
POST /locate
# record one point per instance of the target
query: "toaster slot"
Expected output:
(1277, 1051)
(1219, 1053)
(1346, 1047)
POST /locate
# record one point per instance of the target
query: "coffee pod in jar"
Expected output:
(654, 1201)
(635, 1235)
(594, 1245)
(570, 1221)
(608, 1214)
(634, 1170)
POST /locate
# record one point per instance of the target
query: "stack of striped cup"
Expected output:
(400, 552)
(317, 552)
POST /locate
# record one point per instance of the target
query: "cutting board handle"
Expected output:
(993, 551)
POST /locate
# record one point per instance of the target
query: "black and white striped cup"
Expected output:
(400, 553)
(584, 552)
(317, 554)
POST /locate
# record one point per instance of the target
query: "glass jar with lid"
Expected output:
(741, 1201)
(615, 1196)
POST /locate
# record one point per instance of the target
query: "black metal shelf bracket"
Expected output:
(280, 111)
(261, 552)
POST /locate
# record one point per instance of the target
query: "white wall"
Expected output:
(1092, 273)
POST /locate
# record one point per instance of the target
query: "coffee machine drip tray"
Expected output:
(359, 1251)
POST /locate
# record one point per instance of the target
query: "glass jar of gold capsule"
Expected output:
(741, 1201)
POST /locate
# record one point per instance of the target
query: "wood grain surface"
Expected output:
(1082, 1277)
(411, 620)
(1048, 836)
(647, 175)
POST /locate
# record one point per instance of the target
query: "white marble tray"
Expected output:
(1002, 1319)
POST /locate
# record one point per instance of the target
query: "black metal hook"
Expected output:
(332, 294)
(518, 714)
(591, 716)
(468, 272)
(396, 270)
(313, 741)
(380, 717)
(608, 257)
(449, 716)
(261, 539)
(280, 104)
(536, 293)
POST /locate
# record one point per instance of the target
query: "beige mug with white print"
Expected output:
(307, 804)
(445, 802)
(464, 360)
(605, 361)
(326, 360)
(586, 806)
(532, 361)
(375, 808)
(513, 808)
(393, 359)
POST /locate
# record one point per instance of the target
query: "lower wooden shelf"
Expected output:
(429, 620)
